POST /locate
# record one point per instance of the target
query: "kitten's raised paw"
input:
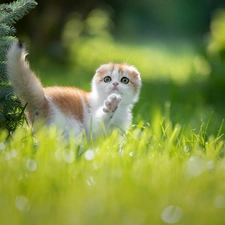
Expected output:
(111, 104)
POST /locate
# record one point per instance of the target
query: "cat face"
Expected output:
(120, 79)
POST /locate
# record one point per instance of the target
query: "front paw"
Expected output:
(111, 104)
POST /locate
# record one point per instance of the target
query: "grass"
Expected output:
(160, 174)
(169, 168)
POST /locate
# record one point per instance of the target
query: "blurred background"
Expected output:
(177, 45)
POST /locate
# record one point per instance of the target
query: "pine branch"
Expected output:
(11, 110)
(14, 11)
(2, 69)
(5, 8)
(6, 30)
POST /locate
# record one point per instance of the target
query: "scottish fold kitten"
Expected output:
(115, 90)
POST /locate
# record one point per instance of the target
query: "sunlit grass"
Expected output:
(159, 174)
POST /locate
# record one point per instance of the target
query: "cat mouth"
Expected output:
(115, 89)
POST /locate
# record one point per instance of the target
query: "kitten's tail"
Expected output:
(26, 85)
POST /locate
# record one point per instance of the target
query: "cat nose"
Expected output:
(115, 83)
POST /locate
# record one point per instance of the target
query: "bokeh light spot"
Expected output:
(172, 214)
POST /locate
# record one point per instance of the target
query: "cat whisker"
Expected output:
(130, 57)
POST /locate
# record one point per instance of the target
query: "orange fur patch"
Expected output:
(134, 76)
(69, 100)
(121, 67)
(103, 70)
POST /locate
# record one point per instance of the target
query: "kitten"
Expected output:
(115, 89)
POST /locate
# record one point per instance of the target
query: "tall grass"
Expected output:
(158, 174)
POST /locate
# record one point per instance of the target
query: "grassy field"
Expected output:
(169, 168)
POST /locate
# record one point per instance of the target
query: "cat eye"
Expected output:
(107, 79)
(125, 80)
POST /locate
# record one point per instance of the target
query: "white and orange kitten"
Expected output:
(115, 89)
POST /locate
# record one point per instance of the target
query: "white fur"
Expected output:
(25, 83)
(122, 117)
(107, 109)
(66, 125)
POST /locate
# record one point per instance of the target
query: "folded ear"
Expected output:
(134, 72)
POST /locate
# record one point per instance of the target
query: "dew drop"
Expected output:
(89, 155)
(31, 165)
(172, 214)
(131, 154)
(195, 166)
(22, 203)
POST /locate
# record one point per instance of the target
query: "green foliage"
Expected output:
(160, 174)
(11, 111)
(89, 44)
(216, 44)
(132, 20)
(215, 52)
